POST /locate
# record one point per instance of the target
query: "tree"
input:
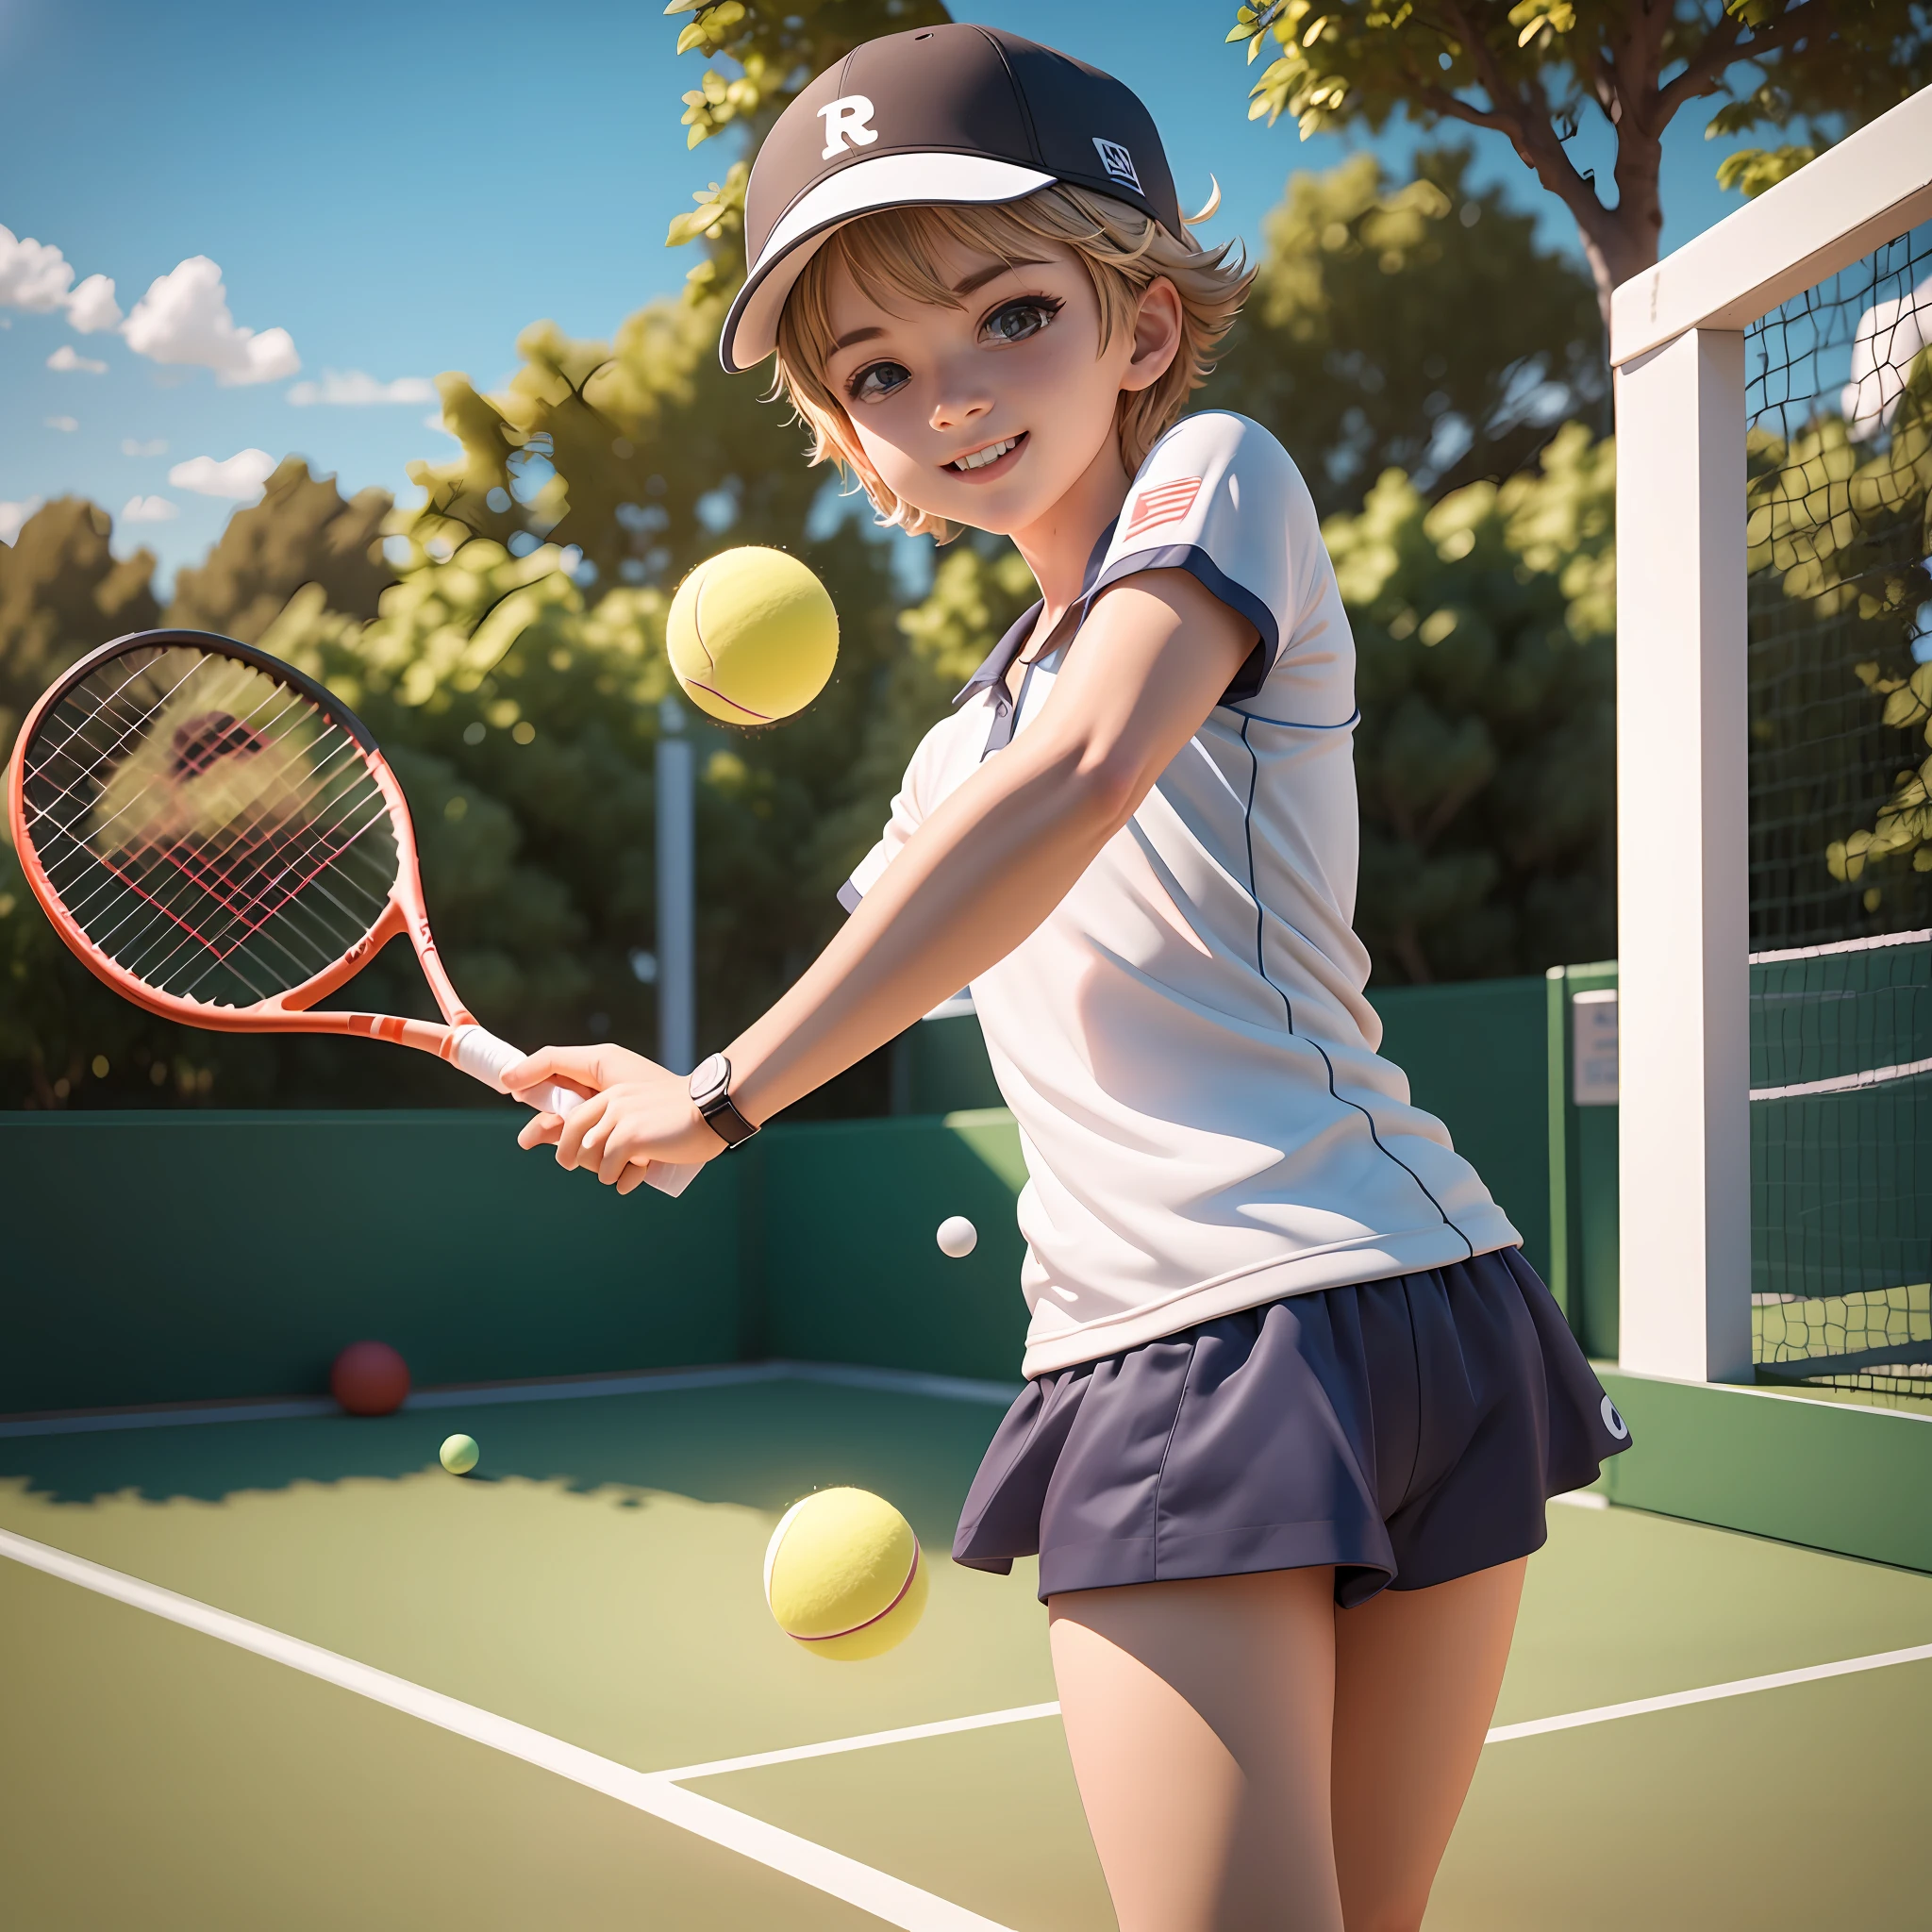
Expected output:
(1412, 324)
(62, 591)
(1484, 626)
(1842, 689)
(301, 532)
(1532, 71)
(514, 667)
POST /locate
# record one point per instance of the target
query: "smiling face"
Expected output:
(989, 413)
(1065, 322)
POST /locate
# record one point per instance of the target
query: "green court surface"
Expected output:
(591, 1599)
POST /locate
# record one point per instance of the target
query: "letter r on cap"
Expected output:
(846, 125)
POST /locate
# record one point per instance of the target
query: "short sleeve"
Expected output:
(909, 808)
(1220, 498)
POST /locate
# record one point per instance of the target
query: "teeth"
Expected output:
(991, 453)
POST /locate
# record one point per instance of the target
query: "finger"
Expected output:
(634, 1177)
(576, 1064)
(570, 1140)
(612, 1161)
(540, 1130)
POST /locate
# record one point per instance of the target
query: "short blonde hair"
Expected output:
(894, 253)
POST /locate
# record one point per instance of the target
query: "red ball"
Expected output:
(370, 1379)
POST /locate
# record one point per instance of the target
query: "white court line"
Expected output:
(877, 1892)
(945, 1727)
(1709, 1693)
(1499, 1734)
(661, 1794)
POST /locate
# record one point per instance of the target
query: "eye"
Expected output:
(1026, 315)
(877, 379)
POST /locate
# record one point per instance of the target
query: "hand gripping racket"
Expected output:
(219, 839)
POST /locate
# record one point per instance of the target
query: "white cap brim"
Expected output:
(898, 180)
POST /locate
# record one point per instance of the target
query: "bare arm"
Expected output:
(972, 882)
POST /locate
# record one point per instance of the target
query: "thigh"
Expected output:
(1416, 1676)
(1200, 1716)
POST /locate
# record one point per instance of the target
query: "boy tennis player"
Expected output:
(1295, 1400)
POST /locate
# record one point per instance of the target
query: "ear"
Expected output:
(1157, 335)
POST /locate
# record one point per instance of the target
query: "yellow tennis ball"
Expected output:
(458, 1454)
(752, 635)
(844, 1576)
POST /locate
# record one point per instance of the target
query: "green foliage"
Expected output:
(62, 592)
(1839, 529)
(301, 532)
(514, 669)
(1750, 171)
(1414, 326)
(1484, 624)
(1531, 72)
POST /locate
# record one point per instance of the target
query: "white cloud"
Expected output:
(351, 389)
(14, 515)
(66, 424)
(148, 510)
(434, 421)
(184, 317)
(130, 448)
(36, 276)
(241, 476)
(1888, 339)
(92, 307)
(72, 362)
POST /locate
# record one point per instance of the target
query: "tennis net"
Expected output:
(1841, 1163)
(1839, 483)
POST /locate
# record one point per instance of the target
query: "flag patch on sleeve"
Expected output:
(1165, 504)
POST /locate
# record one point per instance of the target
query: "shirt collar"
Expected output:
(991, 674)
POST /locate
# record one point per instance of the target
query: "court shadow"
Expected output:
(761, 1444)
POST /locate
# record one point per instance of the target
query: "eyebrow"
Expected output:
(977, 280)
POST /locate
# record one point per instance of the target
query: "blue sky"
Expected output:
(400, 191)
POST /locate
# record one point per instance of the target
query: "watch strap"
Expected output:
(720, 1114)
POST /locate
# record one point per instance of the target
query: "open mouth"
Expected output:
(994, 456)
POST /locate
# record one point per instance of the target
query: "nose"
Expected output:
(962, 393)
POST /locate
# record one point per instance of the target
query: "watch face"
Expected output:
(712, 1076)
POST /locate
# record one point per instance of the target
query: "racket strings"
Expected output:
(209, 828)
(246, 833)
(222, 888)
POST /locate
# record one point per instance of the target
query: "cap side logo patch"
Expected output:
(846, 122)
(1165, 504)
(1117, 163)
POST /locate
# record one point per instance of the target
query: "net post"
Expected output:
(676, 894)
(1682, 820)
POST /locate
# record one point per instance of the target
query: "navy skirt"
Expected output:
(1407, 1431)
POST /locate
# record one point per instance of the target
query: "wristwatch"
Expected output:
(710, 1090)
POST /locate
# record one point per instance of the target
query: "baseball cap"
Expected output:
(955, 113)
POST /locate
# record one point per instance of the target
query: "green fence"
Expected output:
(155, 1258)
(182, 1256)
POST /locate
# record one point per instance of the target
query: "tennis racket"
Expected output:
(219, 839)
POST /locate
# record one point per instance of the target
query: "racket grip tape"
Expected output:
(485, 1058)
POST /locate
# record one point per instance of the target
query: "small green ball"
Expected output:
(458, 1455)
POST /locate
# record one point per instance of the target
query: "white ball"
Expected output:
(957, 1237)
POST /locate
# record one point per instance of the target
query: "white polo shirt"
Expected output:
(1184, 1042)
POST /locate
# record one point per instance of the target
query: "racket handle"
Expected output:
(485, 1058)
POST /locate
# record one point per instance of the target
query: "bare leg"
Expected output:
(1200, 1715)
(1416, 1676)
